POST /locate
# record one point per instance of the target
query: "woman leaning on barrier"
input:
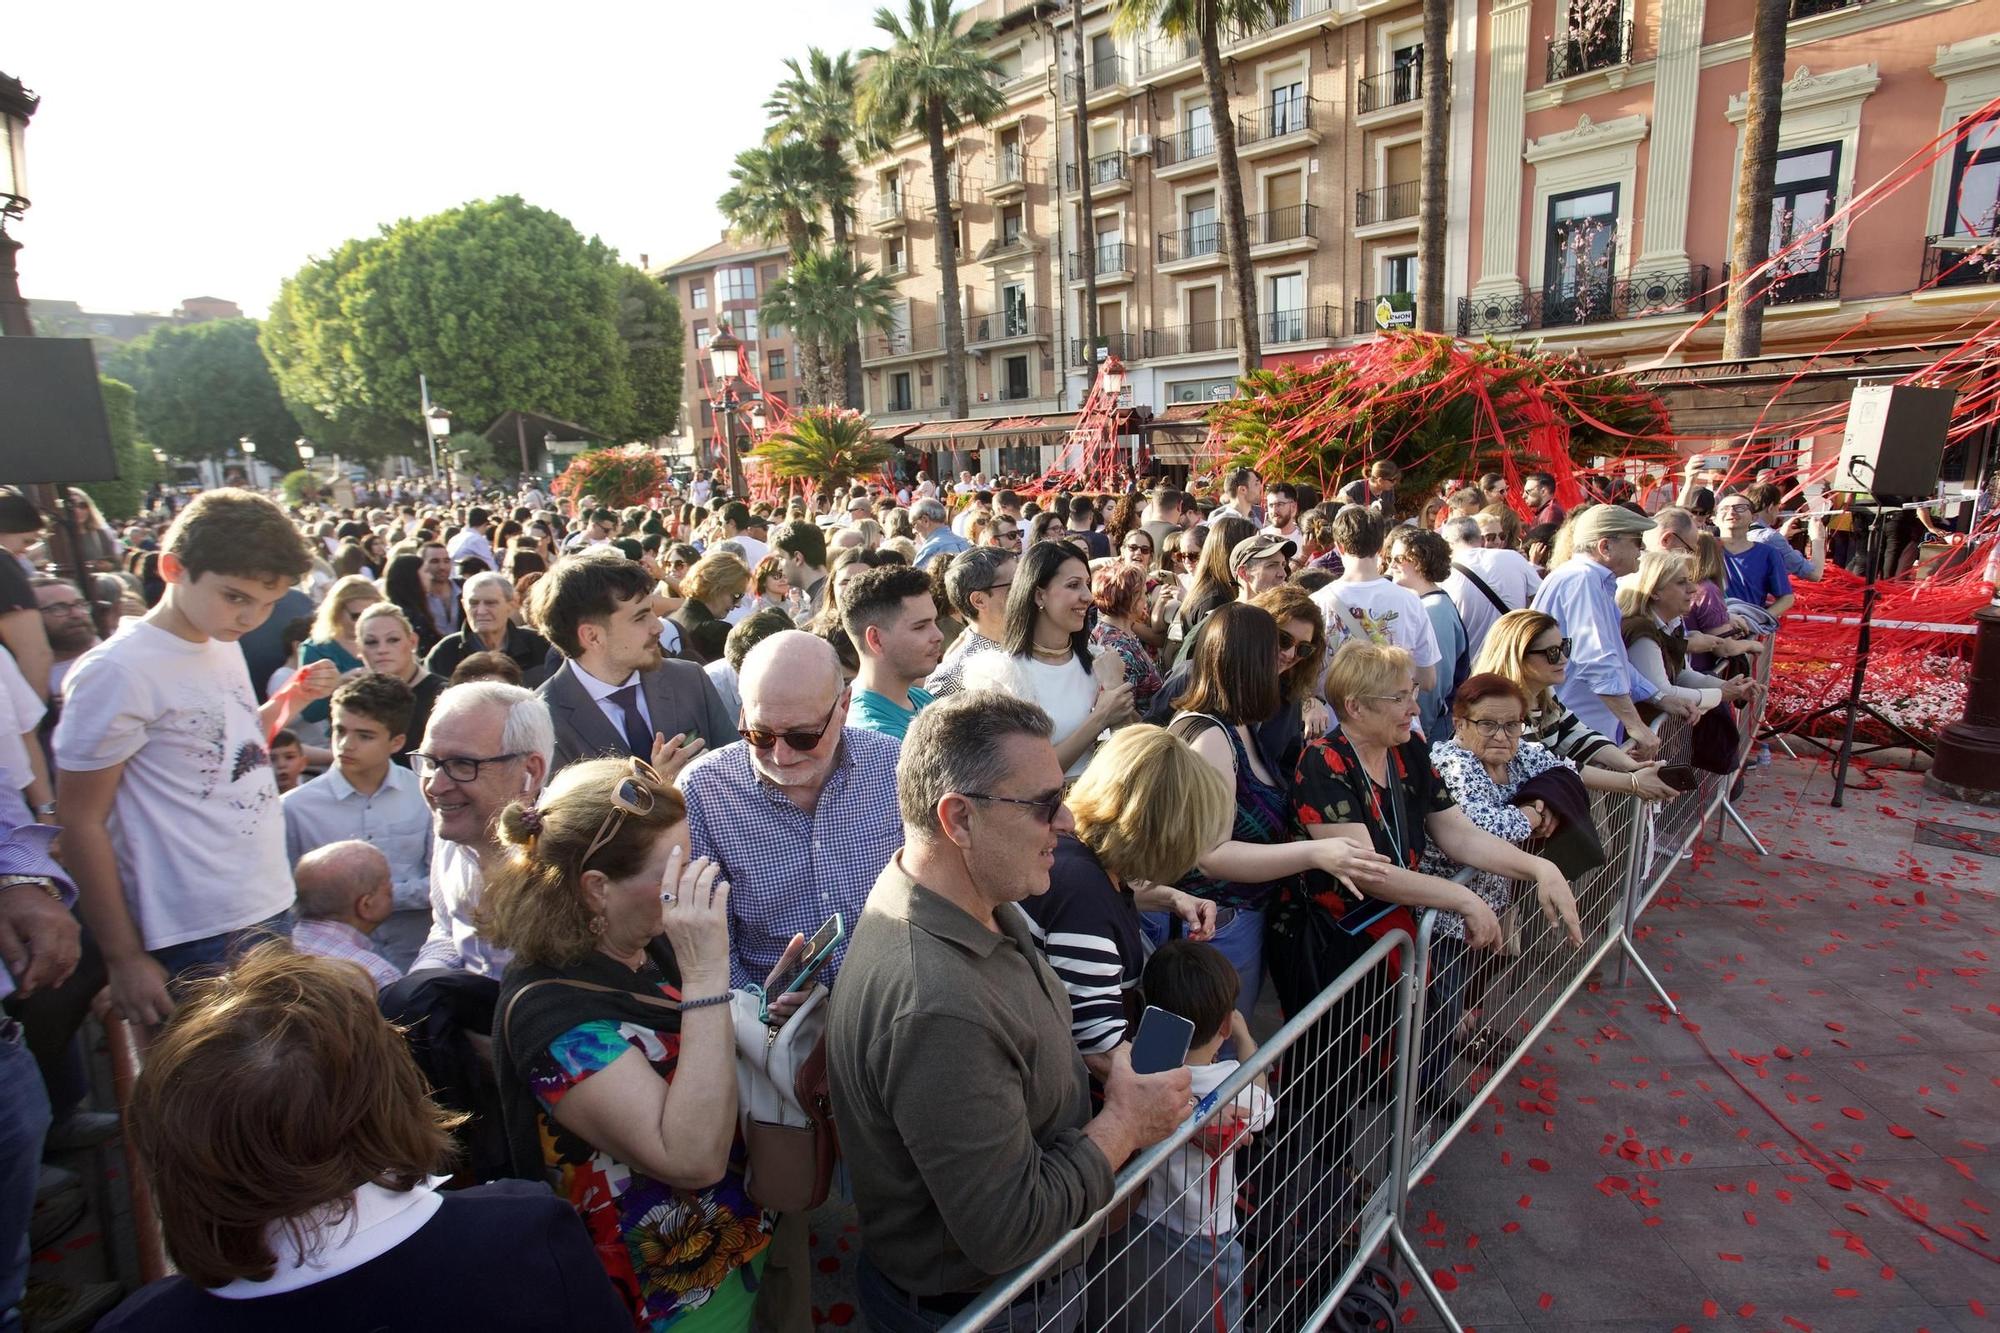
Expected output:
(1654, 604)
(1528, 648)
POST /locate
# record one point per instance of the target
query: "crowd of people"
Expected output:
(485, 851)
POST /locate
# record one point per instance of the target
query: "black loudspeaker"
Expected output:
(1894, 440)
(52, 424)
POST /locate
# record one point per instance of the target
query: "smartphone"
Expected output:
(813, 957)
(1162, 1042)
(1681, 777)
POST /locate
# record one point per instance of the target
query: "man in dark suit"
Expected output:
(617, 693)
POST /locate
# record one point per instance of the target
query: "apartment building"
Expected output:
(725, 283)
(1611, 132)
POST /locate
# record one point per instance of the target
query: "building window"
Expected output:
(1802, 197)
(707, 415)
(1285, 307)
(769, 273)
(1009, 62)
(1010, 224)
(774, 365)
(1204, 236)
(900, 398)
(744, 322)
(1200, 391)
(698, 296)
(1285, 101)
(1973, 206)
(701, 334)
(1579, 256)
(738, 284)
(1198, 129)
(1399, 274)
(895, 259)
(1015, 381)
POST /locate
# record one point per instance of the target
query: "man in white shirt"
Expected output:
(366, 796)
(440, 593)
(471, 540)
(1281, 506)
(1361, 603)
(1246, 494)
(747, 530)
(1486, 581)
(981, 507)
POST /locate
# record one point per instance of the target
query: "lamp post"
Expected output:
(17, 104)
(249, 448)
(304, 448)
(437, 425)
(724, 364)
(549, 452)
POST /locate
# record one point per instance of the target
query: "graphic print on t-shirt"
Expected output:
(1378, 627)
(224, 775)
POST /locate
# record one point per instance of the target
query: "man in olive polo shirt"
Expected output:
(963, 1106)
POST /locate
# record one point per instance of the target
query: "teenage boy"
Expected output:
(891, 620)
(366, 796)
(1183, 1265)
(163, 733)
(1361, 603)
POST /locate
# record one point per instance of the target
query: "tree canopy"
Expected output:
(202, 387)
(137, 468)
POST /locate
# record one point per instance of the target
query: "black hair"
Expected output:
(583, 587)
(379, 698)
(1038, 569)
(1192, 979)
(876, 598)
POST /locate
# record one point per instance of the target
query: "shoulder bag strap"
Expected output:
(1484, 587)
(658, 1001)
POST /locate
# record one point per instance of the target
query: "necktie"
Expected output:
(637, 739)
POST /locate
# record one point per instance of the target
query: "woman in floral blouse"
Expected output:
(1119, 589)
(615, 1046)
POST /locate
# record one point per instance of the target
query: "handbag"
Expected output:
(785, 1103)
(1717, 744)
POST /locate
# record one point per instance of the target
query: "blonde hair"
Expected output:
(1362, 668)
(385, 610)
(1709, 566)
(351, 588)
(1655, 568)
(1505, 652)
(1149, 806)
(716, 573)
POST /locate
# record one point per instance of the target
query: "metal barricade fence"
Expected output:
(1321, 1182)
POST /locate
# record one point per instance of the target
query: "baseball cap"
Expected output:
(1601, 521)
(1259, 546)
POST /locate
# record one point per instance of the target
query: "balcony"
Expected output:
(1390, 310)
(889, 212)
(1020, 324)
(1124, 346)
(1215, 335)
(1185, 153)
(1602, 47)
(1810, 278)
(1100, 76)
(1402, 86)
(1960, 261)
(1284, 229)
(1166, 54)
(1013, 173)
(1388, 203)
(1680, 291)
(1276, 126)
(897, 344)
(1109, 173)
(1191, 245)
(1312, 324)
(1114, 262)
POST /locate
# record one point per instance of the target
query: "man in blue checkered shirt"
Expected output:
(801, 815)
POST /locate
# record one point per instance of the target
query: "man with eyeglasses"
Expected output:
(963, 1104)
(66, 618)
(1003, 534)
(1755, 572)
(1281, 507)
(935, 539)
(1601, 687)
(800, 814)
(976, 585)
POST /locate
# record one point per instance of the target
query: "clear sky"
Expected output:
(210, 147)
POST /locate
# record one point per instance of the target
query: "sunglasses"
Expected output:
(1139, 548)
(632, 796)
(1045, 807)
(802, 741)
(1554, 656)
(1288, 642)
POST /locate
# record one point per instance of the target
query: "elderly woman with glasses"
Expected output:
(614, 1042)
(1528, 648)
(1372, 784)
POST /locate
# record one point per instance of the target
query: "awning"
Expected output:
(1177, 433)
(894, 434)
(992, 432)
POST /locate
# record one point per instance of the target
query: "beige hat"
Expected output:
(1601, 521)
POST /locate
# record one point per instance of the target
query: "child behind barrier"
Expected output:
(1181, 1266)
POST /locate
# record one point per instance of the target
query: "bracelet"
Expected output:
(707, 1000)
(1634, 775)
(42, 882)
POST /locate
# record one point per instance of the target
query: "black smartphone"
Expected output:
(1161, 1043)
(1681, 777)
(813, 957)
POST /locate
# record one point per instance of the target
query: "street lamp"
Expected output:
(725, 363)
(305, 450)
(17, 104)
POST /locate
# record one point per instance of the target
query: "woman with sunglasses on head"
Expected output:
(1528, 648)
(614, 1042)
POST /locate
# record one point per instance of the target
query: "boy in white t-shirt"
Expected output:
(172, 826)
(1183, 1266)
(1363, 604)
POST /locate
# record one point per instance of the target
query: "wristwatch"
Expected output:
(46, 810)
(42, 882)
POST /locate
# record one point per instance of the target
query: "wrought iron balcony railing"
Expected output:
(1806, 278)
(1960, 261)
(1106, 169)
(1194, 242)
(1276, 119)
(1392, 87)
(1215, 335)
(1187, 146)
(1112, 257)
(1311, 324)
(1601, 47)
(1124, 346)
(1107, 72)
(1020, 322)
(1298, 222)
(1387, 203)
(1592, 301)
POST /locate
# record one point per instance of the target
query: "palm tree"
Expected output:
(823, 299)
(1435, 73)
(934, 79)
(825, 445)
(1743, 334)
(1205, 21)
(815, 105)
(776, 195)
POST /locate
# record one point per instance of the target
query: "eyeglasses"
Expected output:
(1013, 537)
(73, 605)
(632, 796)
(458, 770)
(1493, 539)
(801, 741)
(1289, 642)
(996, 587)
(1405, 699)
(1489, 728)
(1045, 807)
(1139, 548)
(1554, 655)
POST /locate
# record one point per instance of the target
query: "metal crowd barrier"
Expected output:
(1372, 1082)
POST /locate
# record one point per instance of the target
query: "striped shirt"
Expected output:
(337, 939)
(1565, 734)
(1089, 932)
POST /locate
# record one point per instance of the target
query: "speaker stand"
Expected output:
(1853, 706)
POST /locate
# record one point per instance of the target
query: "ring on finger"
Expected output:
(670, 898)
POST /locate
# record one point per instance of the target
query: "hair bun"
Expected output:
(521, 823)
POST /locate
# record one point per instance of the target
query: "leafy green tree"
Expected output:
(649, 324)
(933, 79)
(501, 304)
(137, 468)
(827, 445)
(776, 196)
(202, 387)
(823, 299)
(815, 104)
(1205, 21)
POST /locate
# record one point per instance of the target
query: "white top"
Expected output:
(601, 693)
(1192, 1192)
(471, 541)
(380, 1220)
(196, 824)
(454, 941)
(754, 551)
(1380, 612)
(395, 820)
(723, 677)
(1507, 572)
(1063, 690)
(21, 711)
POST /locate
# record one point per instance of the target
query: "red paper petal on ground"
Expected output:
(1445, 1280)
(1854, 1113)
(1710, 1309)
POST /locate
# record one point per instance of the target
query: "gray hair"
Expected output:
(972, 571)
(956, 745)
(930, 511)
(1677, 518)
(487, 579)
(528, 729)
(328, 879)
(1462, 531)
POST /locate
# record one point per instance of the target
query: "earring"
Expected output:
(597, 924)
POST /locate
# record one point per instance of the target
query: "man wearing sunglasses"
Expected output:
(949, 1036)
(800, 814)
(1601, 687)
(976, 584)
